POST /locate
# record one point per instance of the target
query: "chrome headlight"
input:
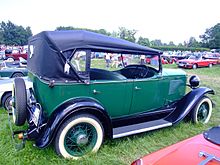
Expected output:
(194, 81)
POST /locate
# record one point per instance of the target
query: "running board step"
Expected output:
(140, 127)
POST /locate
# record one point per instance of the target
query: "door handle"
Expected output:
(96, 92)
(137, 88)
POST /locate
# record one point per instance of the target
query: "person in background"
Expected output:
(108, 59)
(115, 60)
(142, 58)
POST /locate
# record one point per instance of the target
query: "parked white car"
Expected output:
(6, 87)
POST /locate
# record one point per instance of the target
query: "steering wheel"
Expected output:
(140, 71)
(144, 71)
(135, 71)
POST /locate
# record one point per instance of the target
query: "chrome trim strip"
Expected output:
(141, 130)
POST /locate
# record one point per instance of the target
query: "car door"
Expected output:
(201, 62)
(114, 96)
(147, 94)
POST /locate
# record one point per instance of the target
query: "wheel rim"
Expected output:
(17, 75)
(203, 112)
(10, 59)
(8, 104)
(80, 139)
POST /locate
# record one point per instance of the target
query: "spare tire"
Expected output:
(19, 108)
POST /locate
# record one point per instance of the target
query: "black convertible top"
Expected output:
(49, 50)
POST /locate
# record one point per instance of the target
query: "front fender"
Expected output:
(85, 105)
(187, 103)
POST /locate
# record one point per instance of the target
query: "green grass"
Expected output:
(118, 151)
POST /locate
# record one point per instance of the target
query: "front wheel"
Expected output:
(194, 66)
(203, 110)
(78, 136)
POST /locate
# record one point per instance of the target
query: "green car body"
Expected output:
(12, 69)
(77, 100)
(119, 98)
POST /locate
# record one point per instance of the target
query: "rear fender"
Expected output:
(187, 103)
(67, 109)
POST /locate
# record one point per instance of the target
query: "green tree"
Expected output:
(101, 31)
(127, 34)
(14, 35)
(114, 34)
(180, 45)
(65, 28)
(156, 42)
(171, 43)
(1, 37)
(193, 43)
(143, 41)
(211, 37)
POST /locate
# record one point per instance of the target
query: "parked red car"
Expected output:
(167, 60)
(164, 60)
(215, 56)
(203, 149)
(15, 56)
(196, 61)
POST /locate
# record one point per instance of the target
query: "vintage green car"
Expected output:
(13, 69)
(78, 100)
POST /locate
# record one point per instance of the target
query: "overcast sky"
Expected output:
(168, 20)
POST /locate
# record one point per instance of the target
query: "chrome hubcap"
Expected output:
(82, 140)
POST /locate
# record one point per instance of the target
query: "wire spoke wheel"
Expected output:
(80, 139)
(203, 110)
(78, 136)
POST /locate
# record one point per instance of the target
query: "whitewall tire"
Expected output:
(203, 111)
(78, 136)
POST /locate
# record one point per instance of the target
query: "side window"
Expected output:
(78, 61)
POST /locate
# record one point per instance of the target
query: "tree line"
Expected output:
(11, 34)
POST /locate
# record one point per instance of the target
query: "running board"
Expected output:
(138, 128)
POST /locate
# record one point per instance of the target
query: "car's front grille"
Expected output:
(182, 62)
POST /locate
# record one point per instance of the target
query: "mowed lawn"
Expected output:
(118, 151)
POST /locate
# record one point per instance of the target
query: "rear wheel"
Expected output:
(203, 110)
(18, 74)
(210, 65)
(10, 59)
(6, 101)
(19, 107)
(78, 136)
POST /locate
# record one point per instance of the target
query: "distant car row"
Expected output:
(13, 55)
(194, 62)
(191, 61)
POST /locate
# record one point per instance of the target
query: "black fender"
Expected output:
(187, 103)
(71, 107)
